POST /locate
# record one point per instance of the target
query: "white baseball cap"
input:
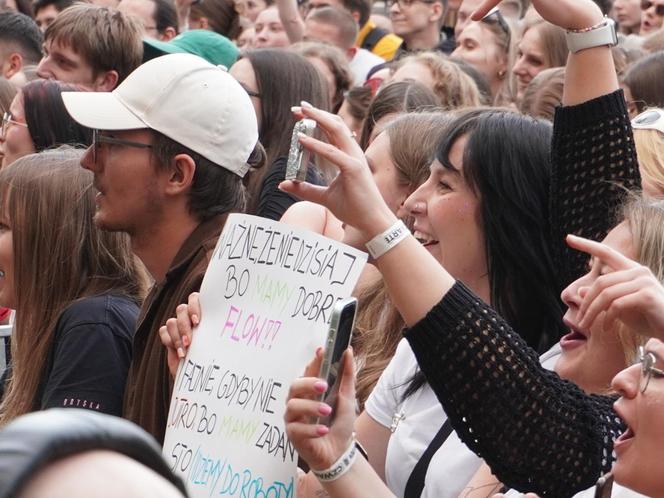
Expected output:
(186, 98)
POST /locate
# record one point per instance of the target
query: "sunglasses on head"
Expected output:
(652, 119)
(659, 9)
(495, 16)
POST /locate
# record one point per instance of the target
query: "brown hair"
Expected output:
(644, 81)
(341, 20)
(335, 60)
(453, 87)
(7, 94)
(60, 256)
(106, 38)
(414, 139)
(221, 16)
(544, 94)
(396, 98)
(554, 42)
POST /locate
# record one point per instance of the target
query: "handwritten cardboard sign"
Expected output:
(266, 302)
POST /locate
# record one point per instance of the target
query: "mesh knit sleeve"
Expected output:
(537, 432)
(593, 161)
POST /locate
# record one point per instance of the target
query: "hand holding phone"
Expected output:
(338, 339)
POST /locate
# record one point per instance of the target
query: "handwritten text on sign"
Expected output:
(266, 302)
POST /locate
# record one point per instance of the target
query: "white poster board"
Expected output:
(266, 301)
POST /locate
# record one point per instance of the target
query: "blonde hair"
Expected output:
(59, 256)
(645, 218)
(453, 87)
(650, 151)
(106, 38)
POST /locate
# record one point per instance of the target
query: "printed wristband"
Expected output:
(385, 241)
(340, 467)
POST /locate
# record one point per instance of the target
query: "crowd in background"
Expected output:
(509, 340)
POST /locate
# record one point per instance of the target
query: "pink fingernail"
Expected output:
(322, 430)
(320, 386)
(324, 409)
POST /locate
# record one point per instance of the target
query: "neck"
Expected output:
(158, 245)
(480, 287)
(495, 85)
(426, 39)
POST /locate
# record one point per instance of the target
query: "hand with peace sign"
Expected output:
(630, 293)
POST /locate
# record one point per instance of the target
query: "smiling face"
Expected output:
(639, 465)
(590, 358)
(448, 222)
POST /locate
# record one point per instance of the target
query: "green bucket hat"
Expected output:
(213, 47)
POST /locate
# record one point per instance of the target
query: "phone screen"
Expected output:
(341, 331)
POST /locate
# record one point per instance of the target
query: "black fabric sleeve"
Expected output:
(272, 202)
(89, 365)
(537, 432)
(593, 161)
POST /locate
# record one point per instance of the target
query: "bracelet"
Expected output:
(340, 467)
(387, 240)
(591, 28)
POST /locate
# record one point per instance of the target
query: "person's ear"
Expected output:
(205, 24)
(437, 11)
(14, 64)
(181, 175)
(106, 81)
(350, 53)
(168, 34)
(356, 16)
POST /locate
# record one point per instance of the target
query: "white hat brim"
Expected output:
(100, 111)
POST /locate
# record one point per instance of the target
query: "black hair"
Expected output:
(48, 121)
(59, 5)
(215, 190)
(22, 31)
(506, 163)
(165, 15)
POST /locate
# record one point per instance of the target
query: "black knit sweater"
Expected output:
(536, 431)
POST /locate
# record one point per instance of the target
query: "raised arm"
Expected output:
(289, 15)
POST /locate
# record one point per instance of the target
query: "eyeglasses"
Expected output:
(496, 17)
(6, 120)
(406, 3)
(652, 119)
(659, 8)
(648, 360)
(98, 138)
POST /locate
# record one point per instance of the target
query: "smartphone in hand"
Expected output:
(338, 340)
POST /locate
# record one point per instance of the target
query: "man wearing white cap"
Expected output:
(170, 147)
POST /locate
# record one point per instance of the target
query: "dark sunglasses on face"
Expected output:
(659, 9)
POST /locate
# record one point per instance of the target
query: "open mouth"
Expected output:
(573, 339)
(425, 239)
(624, 439)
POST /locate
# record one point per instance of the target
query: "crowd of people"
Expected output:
(509, 340)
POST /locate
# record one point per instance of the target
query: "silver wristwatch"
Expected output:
(602, 35)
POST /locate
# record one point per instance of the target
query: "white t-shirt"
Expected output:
(415, 422)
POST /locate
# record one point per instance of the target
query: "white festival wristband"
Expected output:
(340, 467)
(385, 241)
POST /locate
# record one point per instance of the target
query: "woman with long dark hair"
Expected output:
(276, 80)
(37, 120)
